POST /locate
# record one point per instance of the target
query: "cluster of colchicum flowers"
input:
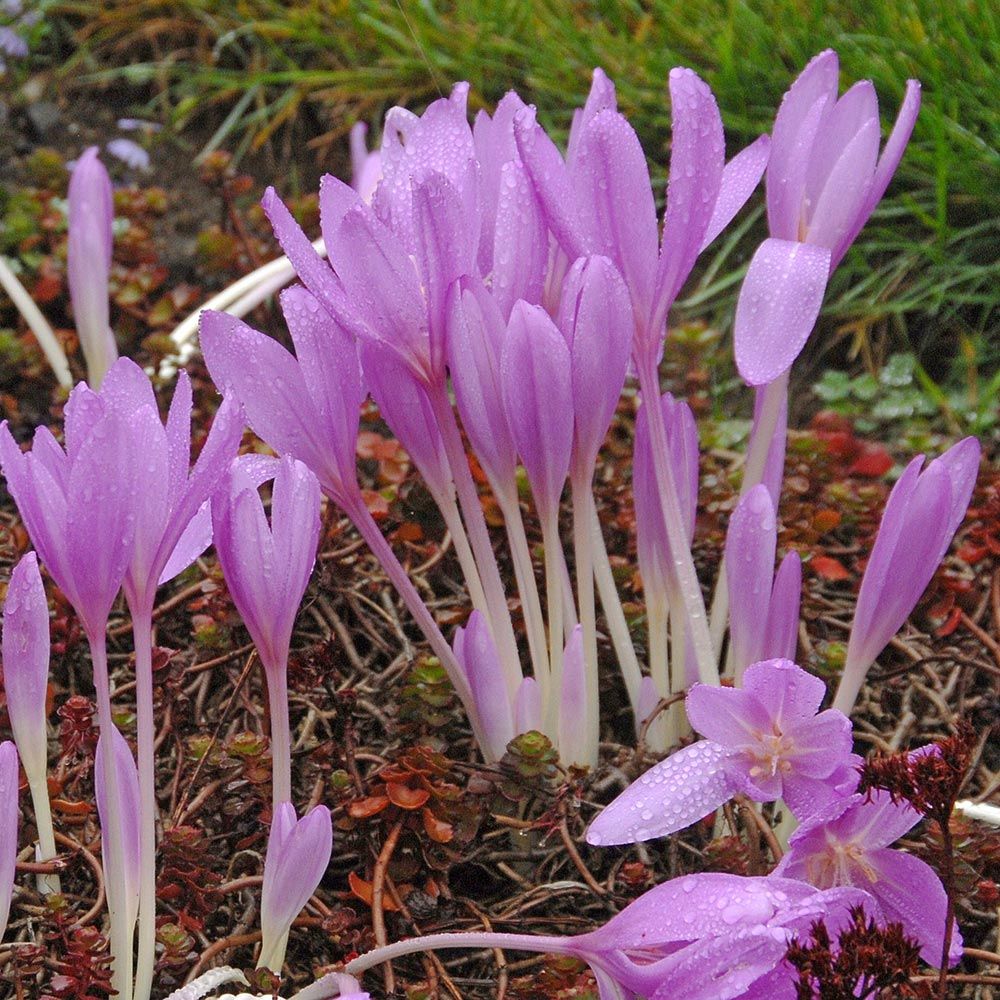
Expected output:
(478, 279)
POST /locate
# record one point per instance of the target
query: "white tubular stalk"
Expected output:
(44, 334)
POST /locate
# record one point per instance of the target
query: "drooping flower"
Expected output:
(765, 740)
(88, 262)
(298, 851)
(267, 569)
(824, 179)
(8, 828)
(921, 516)
(848, 844)
(701, 937)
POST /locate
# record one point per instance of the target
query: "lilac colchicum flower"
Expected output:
(25, 679)
(267, 569)
(308, 407)
(824, 179)
(298, 852)
(764, 609)
(122, 872)
(600, 201)
(8, 828)
(847, 844)
(366, 167)
(765, 740)
(477, 654)
(79, 506)
(88, 262)
(701, 937)
(921, 516)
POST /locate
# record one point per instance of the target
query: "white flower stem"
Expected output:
(482, 547)
(39, 787)
(680, 550)
(111, 829)
(281, 735)
(554, 607)
(142, 635)
(47, 340)
(361, 517)
(432, 942)
(527, 585)
(583, 552)
(614, 613)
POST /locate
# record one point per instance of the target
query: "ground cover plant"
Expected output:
(504, 305)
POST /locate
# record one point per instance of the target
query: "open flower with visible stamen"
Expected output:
(767, 740)
(847, 844)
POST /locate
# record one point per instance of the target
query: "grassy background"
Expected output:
(923, 274)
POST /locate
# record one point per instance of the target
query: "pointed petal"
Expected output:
(612, 178)
(475, 335)
(178, 427)
(538, 399)
(520, 249)
(670, 796)
(778, 305)
(795, 130)
(573, 702)
(313, 271)
(751, 542)
(551, 182)
(909, 891)
(595, 317)
(476, 651)
(380, 278)
(150, 507)
(891, 155)
(962, 462)
(601, 97)
(842, 198)
(26, 663)
(193, 541)
(405, 406)
(336, 199)
(782, 633)
(697, 160)
(268, 383)
(328, 360)
(740, 178)
(127, 388)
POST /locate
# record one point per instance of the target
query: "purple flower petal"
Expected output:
(777, 308)
(740, 178)
(475, 335)
(782, 633)
(670, 796)
(538, 399)
(130, 153)
(795, 128)
(788, 693)
(616, 196)
(476, 651)
(595, 317)
(26, 663)
(751, 542)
